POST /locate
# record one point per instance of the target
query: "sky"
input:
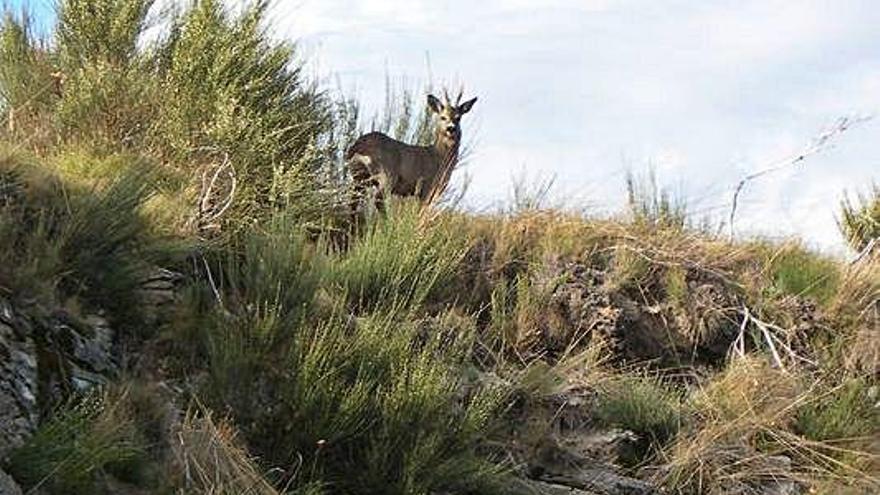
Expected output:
(583, 91)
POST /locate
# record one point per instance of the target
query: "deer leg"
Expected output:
(383, 188)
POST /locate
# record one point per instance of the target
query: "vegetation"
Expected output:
(860, 219)
(417, 350)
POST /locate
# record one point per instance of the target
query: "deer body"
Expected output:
(402, 169)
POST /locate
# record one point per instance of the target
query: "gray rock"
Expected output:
(603, 481)
(158, 293)
(8, 486)
(18, 388)
(43, 357)
(534, 487)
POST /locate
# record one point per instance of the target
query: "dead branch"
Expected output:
(817, 145)
(769, 333)
(866, 251)
(210, 207)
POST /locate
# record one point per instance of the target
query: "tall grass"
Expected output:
(88, 436)
(859, 220)
(62, 241)
(402, 259)
(652, 205)
(365, 404)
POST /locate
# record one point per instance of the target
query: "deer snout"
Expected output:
(451, 129)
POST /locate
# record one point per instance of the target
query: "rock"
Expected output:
(158, 293)
(45, 356)
(533, 487)
(19, 411)
(603, 481)
(8, 486)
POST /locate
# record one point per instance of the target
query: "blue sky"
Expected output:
(703, 92)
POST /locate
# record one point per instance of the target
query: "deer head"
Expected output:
(449, 115)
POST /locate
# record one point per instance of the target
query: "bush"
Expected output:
(402, 259)
(369, 404)
(642, 405)
(797, 272)
(91, 434)
(859, 220)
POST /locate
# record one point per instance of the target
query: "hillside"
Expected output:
(188, 306)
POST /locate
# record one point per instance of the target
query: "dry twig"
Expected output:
(817, 145)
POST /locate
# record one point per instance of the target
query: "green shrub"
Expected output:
(403, 259)
(379, 408)
(642, 405)
(91, 434)
(374, 407)
(369, 404)
(860, 219)
(24, 64)
(267, 282)
(797, 272)
(229, 86)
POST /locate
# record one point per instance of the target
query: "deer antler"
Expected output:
(446, 97)
(460, 94)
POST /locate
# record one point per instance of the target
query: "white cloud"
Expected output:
(584, 90)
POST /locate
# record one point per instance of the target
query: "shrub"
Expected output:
(859, 220)
(402, 259)
(91, 434)
(642, 405)
(797, 272)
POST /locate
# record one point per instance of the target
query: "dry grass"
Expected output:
(210, 459)
(743, 439)
(856, 308)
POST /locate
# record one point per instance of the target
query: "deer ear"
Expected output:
(434, 104)
(466, 106)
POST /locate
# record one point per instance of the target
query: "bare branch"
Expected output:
(866, 251)
(210, 207)
(817, 145)
(769, 332)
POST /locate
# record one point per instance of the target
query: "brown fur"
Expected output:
(403, 169)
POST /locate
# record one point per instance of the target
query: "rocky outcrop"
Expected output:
(44, 357)
(8, 486)
(18, 379)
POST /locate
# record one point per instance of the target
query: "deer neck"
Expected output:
(446, 150)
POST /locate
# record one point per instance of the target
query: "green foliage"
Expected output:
(216, 85)
(70, 242)
(642, 405)
(380, 406)
(654, 206)
(268, 281)
(860, 219)
(846, 412)
(91, 434)
(24, 65)
(232, 87)
(798, 272)
(402, 258)
(99, 30)
(371, 404)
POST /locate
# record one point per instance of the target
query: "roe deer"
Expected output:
(402, 169)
